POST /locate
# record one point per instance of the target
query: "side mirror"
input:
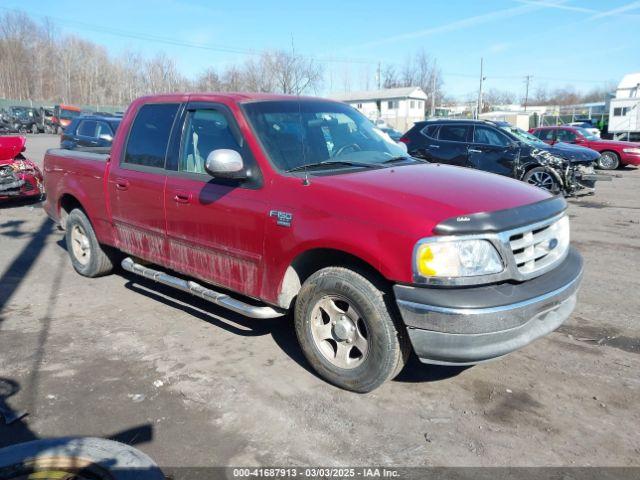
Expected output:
(225, 163)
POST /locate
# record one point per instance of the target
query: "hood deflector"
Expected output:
(491, 222)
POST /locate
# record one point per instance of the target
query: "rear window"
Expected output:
(149, 135)
(430, 131)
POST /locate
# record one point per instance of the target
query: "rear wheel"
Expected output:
(87, 255)
(346, 331)
(608, 161)
(541, 177)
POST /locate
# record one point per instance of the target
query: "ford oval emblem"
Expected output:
(553, 243)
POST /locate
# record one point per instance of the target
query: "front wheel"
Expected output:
(608, 161)
(346, 331)
(87, 255)
(543, 178)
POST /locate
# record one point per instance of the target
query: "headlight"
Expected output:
(631, 150)
(457, 258)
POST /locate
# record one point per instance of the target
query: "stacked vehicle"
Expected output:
(19, 176)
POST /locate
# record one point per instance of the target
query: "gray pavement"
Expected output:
(194, 385)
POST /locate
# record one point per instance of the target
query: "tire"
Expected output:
(541, 177)
(338, 311)
(87, 256)
(608, 161)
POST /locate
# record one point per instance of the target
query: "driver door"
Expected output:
(491, 151)
(215, 227)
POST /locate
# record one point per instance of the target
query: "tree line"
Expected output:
(37, 62)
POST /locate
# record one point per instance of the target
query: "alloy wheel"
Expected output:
(339, 332)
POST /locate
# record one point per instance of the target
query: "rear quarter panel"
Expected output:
(82, 176)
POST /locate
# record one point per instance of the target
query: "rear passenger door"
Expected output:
(136, 183)
(451, 145)
(492, 151)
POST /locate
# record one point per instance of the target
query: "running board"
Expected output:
(221, 299)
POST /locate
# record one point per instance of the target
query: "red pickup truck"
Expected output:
(613, 153)
(266, 204)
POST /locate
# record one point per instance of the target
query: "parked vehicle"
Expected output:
(498, 147)
(26, 119)
(89, 131)
(287, 203)
(62, 116)
(19, 177)
(613, 154)
(588, 126)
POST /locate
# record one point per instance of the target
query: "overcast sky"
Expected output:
(583, 43)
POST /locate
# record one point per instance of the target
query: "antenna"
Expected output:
(305, 180)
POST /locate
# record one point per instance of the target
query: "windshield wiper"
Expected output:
(331, 162)
(401, 158)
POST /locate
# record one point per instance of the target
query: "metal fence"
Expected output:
(7, 102)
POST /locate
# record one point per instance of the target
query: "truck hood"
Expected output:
(420, 196)
(10, 147)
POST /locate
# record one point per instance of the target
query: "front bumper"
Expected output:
(630, 159)
(464, 326)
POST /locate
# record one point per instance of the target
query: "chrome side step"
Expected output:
(198, 290)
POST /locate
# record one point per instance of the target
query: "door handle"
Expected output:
(122, 184)
(473, 150)
(434, 146)
(180, 197)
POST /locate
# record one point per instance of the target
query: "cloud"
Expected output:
(527, 6)
(618, 11)
(558, 5)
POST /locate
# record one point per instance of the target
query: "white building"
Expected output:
(397, 107)
(624, 109)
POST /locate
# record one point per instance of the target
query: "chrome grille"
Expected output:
(538, 247)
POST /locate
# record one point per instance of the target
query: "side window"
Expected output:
(87, 128)
(489, 136)
(103, 130)
(205, 131)
(149, 135)
(430, 131)
(545, 135)
(565, 135)
(453, 133)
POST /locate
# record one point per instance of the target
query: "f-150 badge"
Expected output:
(282, 218)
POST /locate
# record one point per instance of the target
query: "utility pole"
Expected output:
(379, 75)
(482, 79)
(527, 79)
(432, 113)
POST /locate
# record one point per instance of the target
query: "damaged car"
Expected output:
(19, 176)
(500, 148)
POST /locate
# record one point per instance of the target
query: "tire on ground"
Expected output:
(388, 345)
(608, 161)
(99, 262)
(528, 177)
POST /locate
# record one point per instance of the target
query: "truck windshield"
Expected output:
(69, 114)
(296, 133)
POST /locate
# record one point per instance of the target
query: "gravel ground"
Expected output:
(191, 384)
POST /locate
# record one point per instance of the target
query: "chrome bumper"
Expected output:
(483, 323)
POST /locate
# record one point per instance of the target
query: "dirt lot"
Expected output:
(191, 384)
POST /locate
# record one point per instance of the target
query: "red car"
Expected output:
(613, 154)
(263, 204)
(19, 177)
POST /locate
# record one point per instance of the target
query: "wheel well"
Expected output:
(309, 262)
(68, 203)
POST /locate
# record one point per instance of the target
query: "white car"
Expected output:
(587, 126)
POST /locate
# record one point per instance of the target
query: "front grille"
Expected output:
(539, 247)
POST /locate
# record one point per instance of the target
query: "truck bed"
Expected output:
(83, 173)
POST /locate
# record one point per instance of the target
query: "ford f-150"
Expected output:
(266, 204)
